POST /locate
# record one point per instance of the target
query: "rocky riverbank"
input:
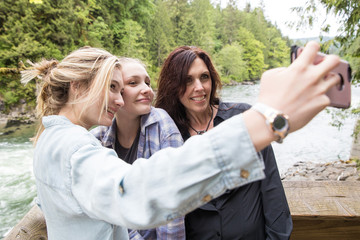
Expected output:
(332, 171)
(18, 116)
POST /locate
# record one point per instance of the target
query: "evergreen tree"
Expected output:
(161, 32)
(133, 43)
(204, 24)
(229, 26)
(252, 53)
(230, 63)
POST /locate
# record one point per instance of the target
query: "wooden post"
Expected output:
(31, 227)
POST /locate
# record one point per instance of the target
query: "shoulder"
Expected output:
(99, 132)
(230, 108)
(159, 113)
(158, 116)
(61, 132)
(158, 121)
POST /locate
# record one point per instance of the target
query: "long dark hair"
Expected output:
(172, 83)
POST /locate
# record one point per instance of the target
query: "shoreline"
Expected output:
(340, 170)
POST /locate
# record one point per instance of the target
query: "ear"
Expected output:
(75, 90)
(74, 86)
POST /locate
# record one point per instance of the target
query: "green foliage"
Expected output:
(242, 42)
(252, 53)
(231, 64)
(12, 91)
(348, 14)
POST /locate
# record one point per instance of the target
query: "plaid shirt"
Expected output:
(157, 131)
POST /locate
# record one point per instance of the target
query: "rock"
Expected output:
(2, 106)
(17, 121)
(332, 171)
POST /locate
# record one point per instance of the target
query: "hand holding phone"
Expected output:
(340, 94)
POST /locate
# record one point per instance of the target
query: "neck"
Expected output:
(70, 112)
(200, 124)
(127, 130)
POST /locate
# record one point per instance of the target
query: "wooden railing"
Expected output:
(320, 210)
(324, 210)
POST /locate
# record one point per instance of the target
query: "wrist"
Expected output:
(260, 133)
(277, 121)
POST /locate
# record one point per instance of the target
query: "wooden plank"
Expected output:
(324, 210)
(31, 227)
(330, 198)
(320, 210)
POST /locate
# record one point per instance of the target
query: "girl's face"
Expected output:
(196, 98)
(137, 94)
(115, 101)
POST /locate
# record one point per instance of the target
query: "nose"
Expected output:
(146, 89)
(119, 101)
(198, 85)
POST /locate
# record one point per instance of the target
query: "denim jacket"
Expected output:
(85, 192)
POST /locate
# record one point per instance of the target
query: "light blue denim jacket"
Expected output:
(85, 192)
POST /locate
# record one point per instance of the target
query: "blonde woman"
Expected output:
(83, 189)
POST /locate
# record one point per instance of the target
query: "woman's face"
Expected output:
(137, 94)
(115, 101)
(196, 98)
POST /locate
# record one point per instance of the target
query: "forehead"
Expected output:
(131, 69)
(198, 65)
(117, 77)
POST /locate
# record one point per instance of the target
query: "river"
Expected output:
(317, 142)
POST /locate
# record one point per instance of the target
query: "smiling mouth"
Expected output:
(144, 100)
(198, 98)
(111, 111)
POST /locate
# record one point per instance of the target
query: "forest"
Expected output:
(242, 43)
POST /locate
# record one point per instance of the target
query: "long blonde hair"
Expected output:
(91, 68)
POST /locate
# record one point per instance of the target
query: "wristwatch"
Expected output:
(278, 121)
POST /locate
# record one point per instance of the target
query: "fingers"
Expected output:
(309, 53)
(329, 63)
(272, 72)
(331, 80)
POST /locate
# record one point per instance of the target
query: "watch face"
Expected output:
(279, 122)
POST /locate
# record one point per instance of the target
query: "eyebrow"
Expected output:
(137, 77)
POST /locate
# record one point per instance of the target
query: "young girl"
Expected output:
(85, 192)
(138, 131)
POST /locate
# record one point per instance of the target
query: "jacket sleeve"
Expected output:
(173, 182)
(278, 222)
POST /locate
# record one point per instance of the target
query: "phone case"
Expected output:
(340, 94)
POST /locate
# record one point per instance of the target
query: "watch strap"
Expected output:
(271, 115)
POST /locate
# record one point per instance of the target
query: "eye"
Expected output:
(132, 83)
(189, 80)
(112, 86)
(147, 82)
(205, 76)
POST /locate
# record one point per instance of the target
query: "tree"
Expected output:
(277, 50)
(231, 19)
(252, 53)
(230, 63)
(161, 32)
(133, 42)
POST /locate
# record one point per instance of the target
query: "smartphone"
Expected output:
(340, 94)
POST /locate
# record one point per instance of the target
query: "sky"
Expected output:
(279, 12)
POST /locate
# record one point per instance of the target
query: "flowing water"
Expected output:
(317, 142)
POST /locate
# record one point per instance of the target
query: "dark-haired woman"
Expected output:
(188, 85)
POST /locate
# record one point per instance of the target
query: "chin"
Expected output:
(106, 122)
